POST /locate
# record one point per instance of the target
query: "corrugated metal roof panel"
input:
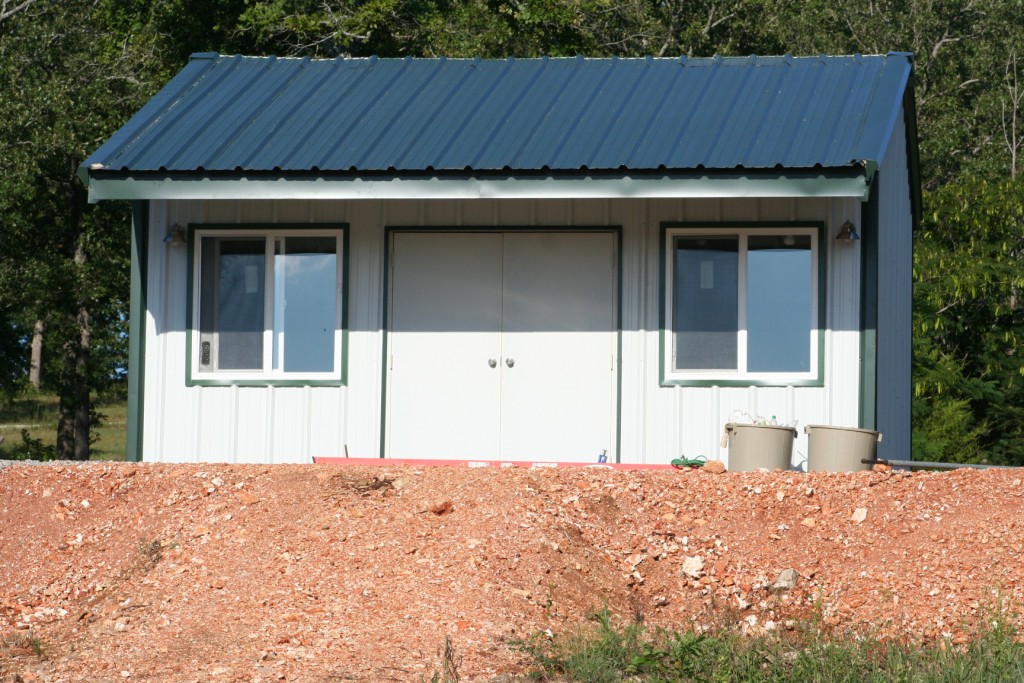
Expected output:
(266, 114)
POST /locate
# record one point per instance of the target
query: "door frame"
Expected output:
(389, 232)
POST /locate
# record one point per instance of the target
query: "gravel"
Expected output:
(319, 572)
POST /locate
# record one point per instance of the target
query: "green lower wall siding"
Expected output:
(869, 311)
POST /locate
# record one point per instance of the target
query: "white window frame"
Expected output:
(201, 375)
(739, 376)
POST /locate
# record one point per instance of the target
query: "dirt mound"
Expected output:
(113, 572)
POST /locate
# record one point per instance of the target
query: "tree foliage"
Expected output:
(72, 71)
(969, 321)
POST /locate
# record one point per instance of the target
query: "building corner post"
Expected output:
(137, 330)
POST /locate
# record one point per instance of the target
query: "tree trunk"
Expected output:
(36, 364)
(74, 424)
(83, 405)
(66, 431)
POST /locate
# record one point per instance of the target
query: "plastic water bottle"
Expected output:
(774, 422)
(603, 457)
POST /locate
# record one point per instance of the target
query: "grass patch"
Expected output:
(633, 653)
(450, 663)
(23, 645)
(28, 426)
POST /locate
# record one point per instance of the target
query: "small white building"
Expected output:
(518, 260)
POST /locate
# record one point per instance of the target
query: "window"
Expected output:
(267, 305)
(742, 305)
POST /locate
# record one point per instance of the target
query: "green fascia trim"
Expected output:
(137, 332)
(818, 381)
(913, 154)
(868, 405)
(840, 183)
(618, 344)
(344, 306)
(386, 341)
(342, 378)
(391, 229)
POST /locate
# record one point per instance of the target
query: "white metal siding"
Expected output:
(895, 276)
(292, 424)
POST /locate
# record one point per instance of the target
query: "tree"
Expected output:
(70, 72)
(969, 321)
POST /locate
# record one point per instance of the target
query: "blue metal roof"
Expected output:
(284, 116)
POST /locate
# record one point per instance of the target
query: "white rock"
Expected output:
(786, 580)
(693, 567)
(859, 515)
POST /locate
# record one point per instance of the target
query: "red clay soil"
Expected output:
(114, 572)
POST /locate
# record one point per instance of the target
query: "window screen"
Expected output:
(706, 302)
(233, 301)
(743, 303)
(779, 303)
(268, 304)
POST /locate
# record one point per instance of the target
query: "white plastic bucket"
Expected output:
(752, 447)
(840, 449)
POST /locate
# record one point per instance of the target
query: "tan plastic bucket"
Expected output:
(840, 449)
(752, 447)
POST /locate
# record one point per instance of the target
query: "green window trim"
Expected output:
(263, 378)
(708, 378)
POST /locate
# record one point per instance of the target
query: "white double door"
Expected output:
(502, 345)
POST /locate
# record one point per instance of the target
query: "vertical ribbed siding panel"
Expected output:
(842, 345)
(895, 275)
(441, 212)
(514, 213)
(638, 252)
(689, 420)
(362, 409)
(253, 405)
(153, 424)
(290, 424)
(551, 212)
(226, 424)
(597, 213)
(290, 420)
(172, 419)
(325, 422)
(480, 212)
(671, 411)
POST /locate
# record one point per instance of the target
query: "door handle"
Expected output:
(510, 362)
(492, 362)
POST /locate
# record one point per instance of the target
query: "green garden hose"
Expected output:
(692, 463)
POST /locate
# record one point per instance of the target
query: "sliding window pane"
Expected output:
(779, 313)
(305, 303)
(705, 319)
(238, 300)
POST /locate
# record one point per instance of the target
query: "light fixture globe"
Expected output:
(847, 233)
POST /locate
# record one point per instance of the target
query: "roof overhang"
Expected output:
(849, 182)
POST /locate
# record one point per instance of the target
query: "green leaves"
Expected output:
(968, 322)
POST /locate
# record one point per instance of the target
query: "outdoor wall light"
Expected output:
(847, 233)
(175, 236)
